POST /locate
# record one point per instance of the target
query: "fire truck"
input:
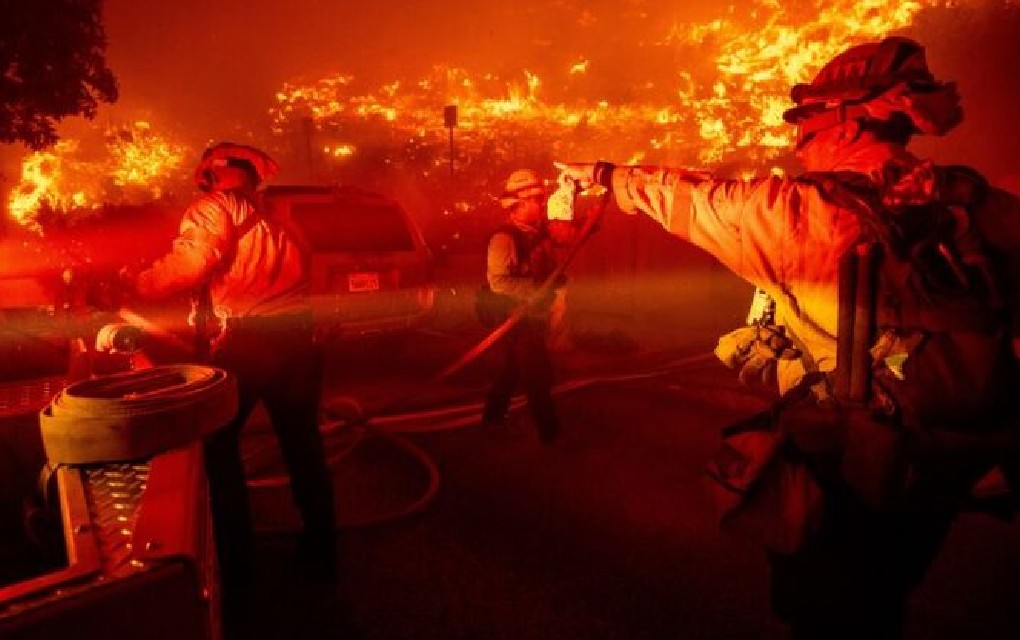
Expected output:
(97, 547)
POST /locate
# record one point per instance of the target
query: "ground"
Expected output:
(608, 533)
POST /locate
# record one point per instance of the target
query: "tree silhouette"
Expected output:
(52, 65)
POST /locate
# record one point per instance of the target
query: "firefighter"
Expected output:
(851, 573)
(249, 270)
(517, 262)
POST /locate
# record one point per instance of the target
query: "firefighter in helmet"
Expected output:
(249, 267)
(850, 573)
(518, 260)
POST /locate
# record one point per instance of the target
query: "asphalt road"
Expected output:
(451, 533)
(606, 534)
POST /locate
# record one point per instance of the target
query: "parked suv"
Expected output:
(371, 270)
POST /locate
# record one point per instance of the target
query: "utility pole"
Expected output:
(450, 121)
(308, 131)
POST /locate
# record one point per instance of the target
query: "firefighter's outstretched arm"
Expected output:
(663, 194)
(739, 222)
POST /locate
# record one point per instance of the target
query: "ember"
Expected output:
(730, 112)
(712, 94)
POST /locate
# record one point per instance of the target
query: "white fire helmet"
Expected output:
(522, 184)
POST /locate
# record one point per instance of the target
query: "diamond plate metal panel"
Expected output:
(114, 494)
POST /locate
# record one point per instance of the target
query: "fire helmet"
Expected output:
(230, 155)
(876, 81)
(522, 184)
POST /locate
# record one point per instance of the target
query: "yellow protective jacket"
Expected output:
(254, 268)
(782, 235)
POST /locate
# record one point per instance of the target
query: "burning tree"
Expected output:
(52, 65)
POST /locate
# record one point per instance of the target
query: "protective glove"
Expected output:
(559, 208)
(755, 351)
(733, 348)
(587, 174)
(770, 345)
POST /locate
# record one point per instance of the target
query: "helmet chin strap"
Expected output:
(838, 149)
(840, 114)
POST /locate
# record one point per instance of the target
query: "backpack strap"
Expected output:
(203, 311)
(888, 253)
(857, 280)
(522, 246)
(284, 223)
(857, 289)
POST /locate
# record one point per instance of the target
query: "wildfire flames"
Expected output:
(726, 107)
(132, 164)
(721, 104)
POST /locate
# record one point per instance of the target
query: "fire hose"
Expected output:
(119, 416)
(366, 420)
(133, 415)
(542, 292)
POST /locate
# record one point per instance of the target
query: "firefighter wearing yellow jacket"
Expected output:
(251, 270)
(787, 237)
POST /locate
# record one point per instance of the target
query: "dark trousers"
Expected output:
(852, 579)
(524, 357)
(280, 366)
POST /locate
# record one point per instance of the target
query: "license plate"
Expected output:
(367, 281)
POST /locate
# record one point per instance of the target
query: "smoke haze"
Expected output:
(211, 70)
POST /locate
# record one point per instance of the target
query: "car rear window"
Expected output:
(339, 226)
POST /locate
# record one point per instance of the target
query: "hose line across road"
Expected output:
(368, 421)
